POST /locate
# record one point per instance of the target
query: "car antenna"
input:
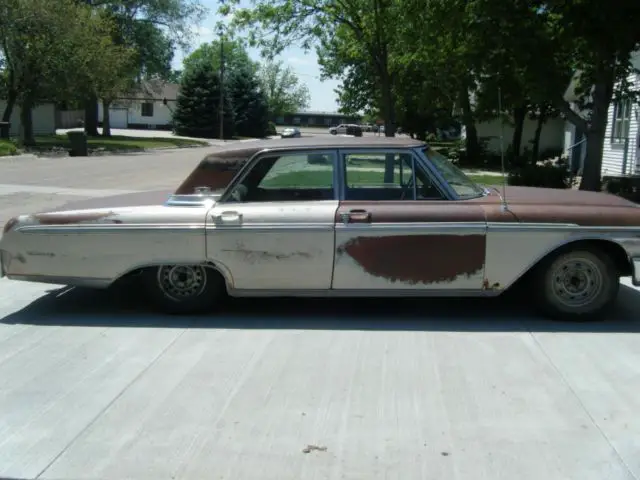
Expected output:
(504, 206)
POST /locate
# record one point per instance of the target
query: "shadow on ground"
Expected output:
(126, 307)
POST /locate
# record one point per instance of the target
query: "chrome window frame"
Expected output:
(452, 193)
(417, 162)
(244, 171)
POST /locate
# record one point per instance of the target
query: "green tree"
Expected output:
(153, 28)
(250, 107)
(234, 53)
(52, 50)
(197, 112)
(372, 24)
(283, 89)
(598, 38)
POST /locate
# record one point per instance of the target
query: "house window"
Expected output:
(327, 121)
(311, 121)
(621, 120)
(147, 109)
(296, 120)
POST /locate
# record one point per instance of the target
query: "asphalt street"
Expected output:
(93, 386)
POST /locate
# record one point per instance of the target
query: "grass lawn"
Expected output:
(486, 179)
(323, 179)
(7, 147)
(115, 143)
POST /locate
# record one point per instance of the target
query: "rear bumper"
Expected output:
(635, 274)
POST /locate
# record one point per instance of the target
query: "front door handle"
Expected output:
(359, 216)
(228, 217)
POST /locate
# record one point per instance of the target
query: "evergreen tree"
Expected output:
(250, 106)
(197, 105)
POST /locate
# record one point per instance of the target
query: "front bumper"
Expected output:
(635, 274)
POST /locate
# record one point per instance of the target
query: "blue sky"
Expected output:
(305, 64)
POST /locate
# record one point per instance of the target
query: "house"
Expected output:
(315, 119)
(621, 150)
(43, 116)
(150, 107)
(490, 131)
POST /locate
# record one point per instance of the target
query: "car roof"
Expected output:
(235, 149)
(218, 168)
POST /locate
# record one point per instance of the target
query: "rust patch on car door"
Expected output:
(418, 258)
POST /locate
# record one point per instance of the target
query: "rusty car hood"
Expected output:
(556, 196)
(550, 205)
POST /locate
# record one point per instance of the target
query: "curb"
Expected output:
(24, 156)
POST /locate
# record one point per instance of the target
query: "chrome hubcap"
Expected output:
(577, 282)
(181, 282)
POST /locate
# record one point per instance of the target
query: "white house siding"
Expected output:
(161, 119)
(613, 153)
(552, 136)
(44, 119)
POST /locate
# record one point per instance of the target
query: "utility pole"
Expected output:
(221, 84)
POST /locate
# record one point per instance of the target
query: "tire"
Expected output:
(576, 285)
(184, 289)
(333, 132)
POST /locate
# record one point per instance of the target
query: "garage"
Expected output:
(119, 117)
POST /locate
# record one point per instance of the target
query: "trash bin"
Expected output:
(5, 128)
(78, 141)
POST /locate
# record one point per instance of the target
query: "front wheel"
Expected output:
(184, 289)
(577, 285)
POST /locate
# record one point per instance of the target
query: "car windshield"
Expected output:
(459, 182)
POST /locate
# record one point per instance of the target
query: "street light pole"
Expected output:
(221, 84)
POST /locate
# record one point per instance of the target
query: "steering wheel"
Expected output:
(239, 193)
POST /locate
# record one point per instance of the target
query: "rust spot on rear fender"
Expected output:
(417, 259)
(61, 218)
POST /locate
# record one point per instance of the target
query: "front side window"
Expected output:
(381, 176)
(621, 120)
(287, 177)
(464, 187)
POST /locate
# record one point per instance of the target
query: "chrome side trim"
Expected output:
(93, 228)
(391, 293)
(427, 227)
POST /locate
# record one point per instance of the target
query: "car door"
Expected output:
(274, 228)
(404, 234)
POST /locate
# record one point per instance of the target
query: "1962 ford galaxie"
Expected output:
(336, 216)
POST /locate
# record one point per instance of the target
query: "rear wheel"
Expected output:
(576, 285)
(184, 289)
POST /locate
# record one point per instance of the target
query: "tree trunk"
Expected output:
(602, 95)
(519, 114)
(106, 119)
(535, 154)
(11, 102)
(471, 133)
(91, 116)
(26, 123)
(388, 105)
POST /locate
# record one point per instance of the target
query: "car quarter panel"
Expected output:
(273, 245)
(95, 247)
(411, 245)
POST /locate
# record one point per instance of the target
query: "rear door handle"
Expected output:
(228, 217)
(359, 216)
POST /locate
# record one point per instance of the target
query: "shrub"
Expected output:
(625, 187)
(546, 175)
(271, 129)
(7, 147)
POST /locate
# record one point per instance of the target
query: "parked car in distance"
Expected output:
(346, 129)
(336, 216)
(291, 132)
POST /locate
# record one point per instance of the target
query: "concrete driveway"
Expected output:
(94, 386)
